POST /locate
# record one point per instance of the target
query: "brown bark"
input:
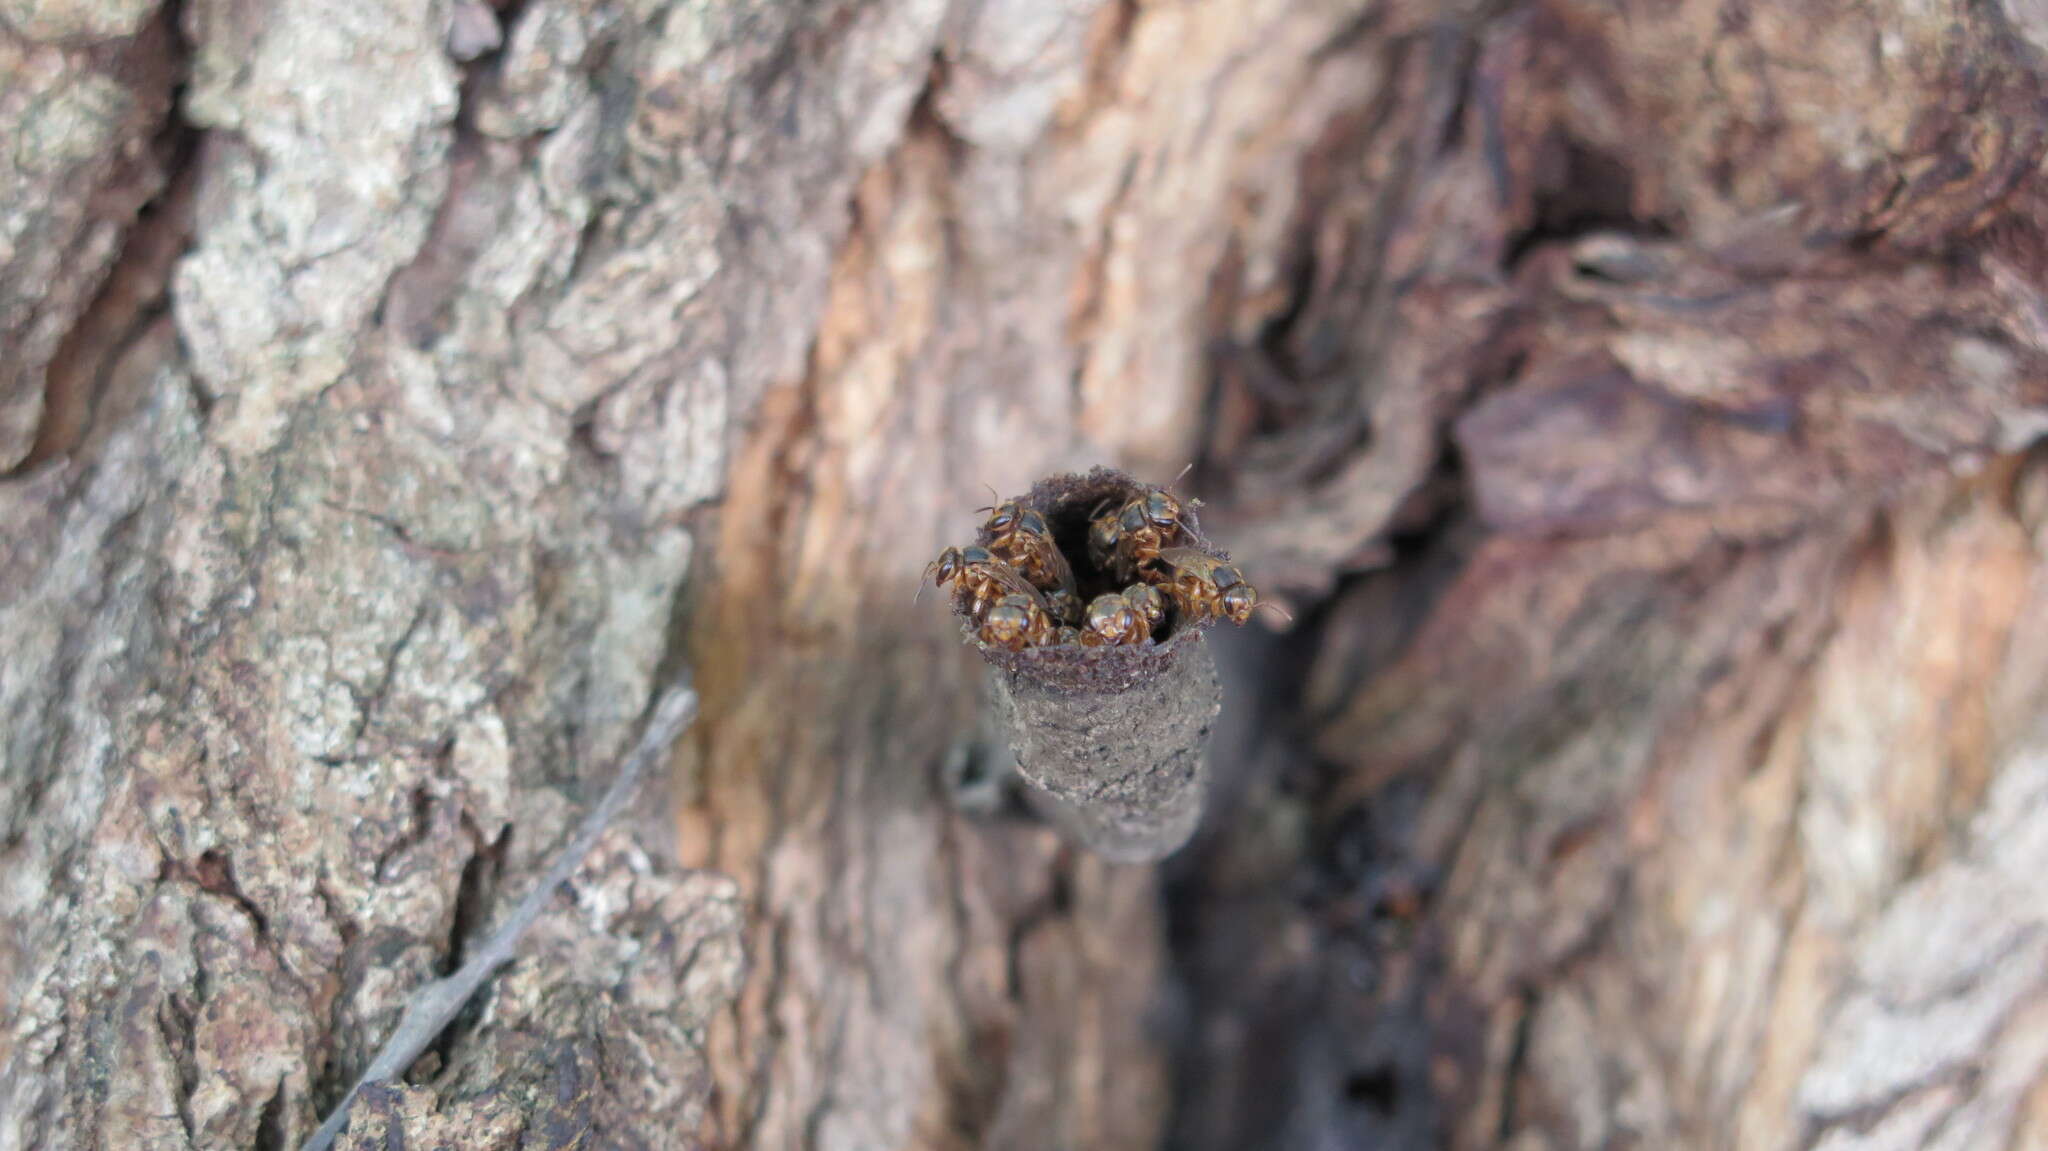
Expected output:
(1634, 403)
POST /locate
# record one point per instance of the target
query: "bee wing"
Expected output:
(1062, 571)
(1012, 581)
(1191, 560)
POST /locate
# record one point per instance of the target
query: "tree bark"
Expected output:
(1633, 403)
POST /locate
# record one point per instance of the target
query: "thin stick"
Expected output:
(431, 1007)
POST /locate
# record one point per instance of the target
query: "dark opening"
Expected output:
(1374, 1088)
(1069, 516)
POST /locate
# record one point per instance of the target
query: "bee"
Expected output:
(1150, 602)
(1151, 525)
(1103, 534)
(1017, 622)
(1020, 537)
(1113, 622)
(1066, 606)
(1204, 587)
(1122, 539)
(982, 576)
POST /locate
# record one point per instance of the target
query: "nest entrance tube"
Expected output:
(1111, 741)
(1122, 771)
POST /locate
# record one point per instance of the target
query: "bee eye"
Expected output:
(1032, 522)
(1239, 601)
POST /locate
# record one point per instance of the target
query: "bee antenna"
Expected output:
(1284, 613)
(1183, 473)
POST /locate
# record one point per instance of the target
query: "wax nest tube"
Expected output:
(1111, 740)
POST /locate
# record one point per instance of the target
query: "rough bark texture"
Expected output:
(1633, 400)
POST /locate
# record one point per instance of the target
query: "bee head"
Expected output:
(1162, 510)
(1238, 601)
(1065, 605)
(1147, 601)
(1007, 623)
(1111, 616)
(1002, 518)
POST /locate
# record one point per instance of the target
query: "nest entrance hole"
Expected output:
(1069, 505)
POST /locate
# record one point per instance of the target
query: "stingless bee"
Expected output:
(1113, 622)
(1103, 534)
(1021, 538)
(1160, 525)
(982, 576)
(1066, 606)
(1150, 602)
(1122, 539)
(1016, 622)
(1204, 587)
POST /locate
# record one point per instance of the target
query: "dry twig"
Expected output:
(435, 1004)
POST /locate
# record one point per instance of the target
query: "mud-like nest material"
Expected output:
(1066, 501)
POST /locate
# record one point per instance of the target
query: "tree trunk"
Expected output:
(1631, 402)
